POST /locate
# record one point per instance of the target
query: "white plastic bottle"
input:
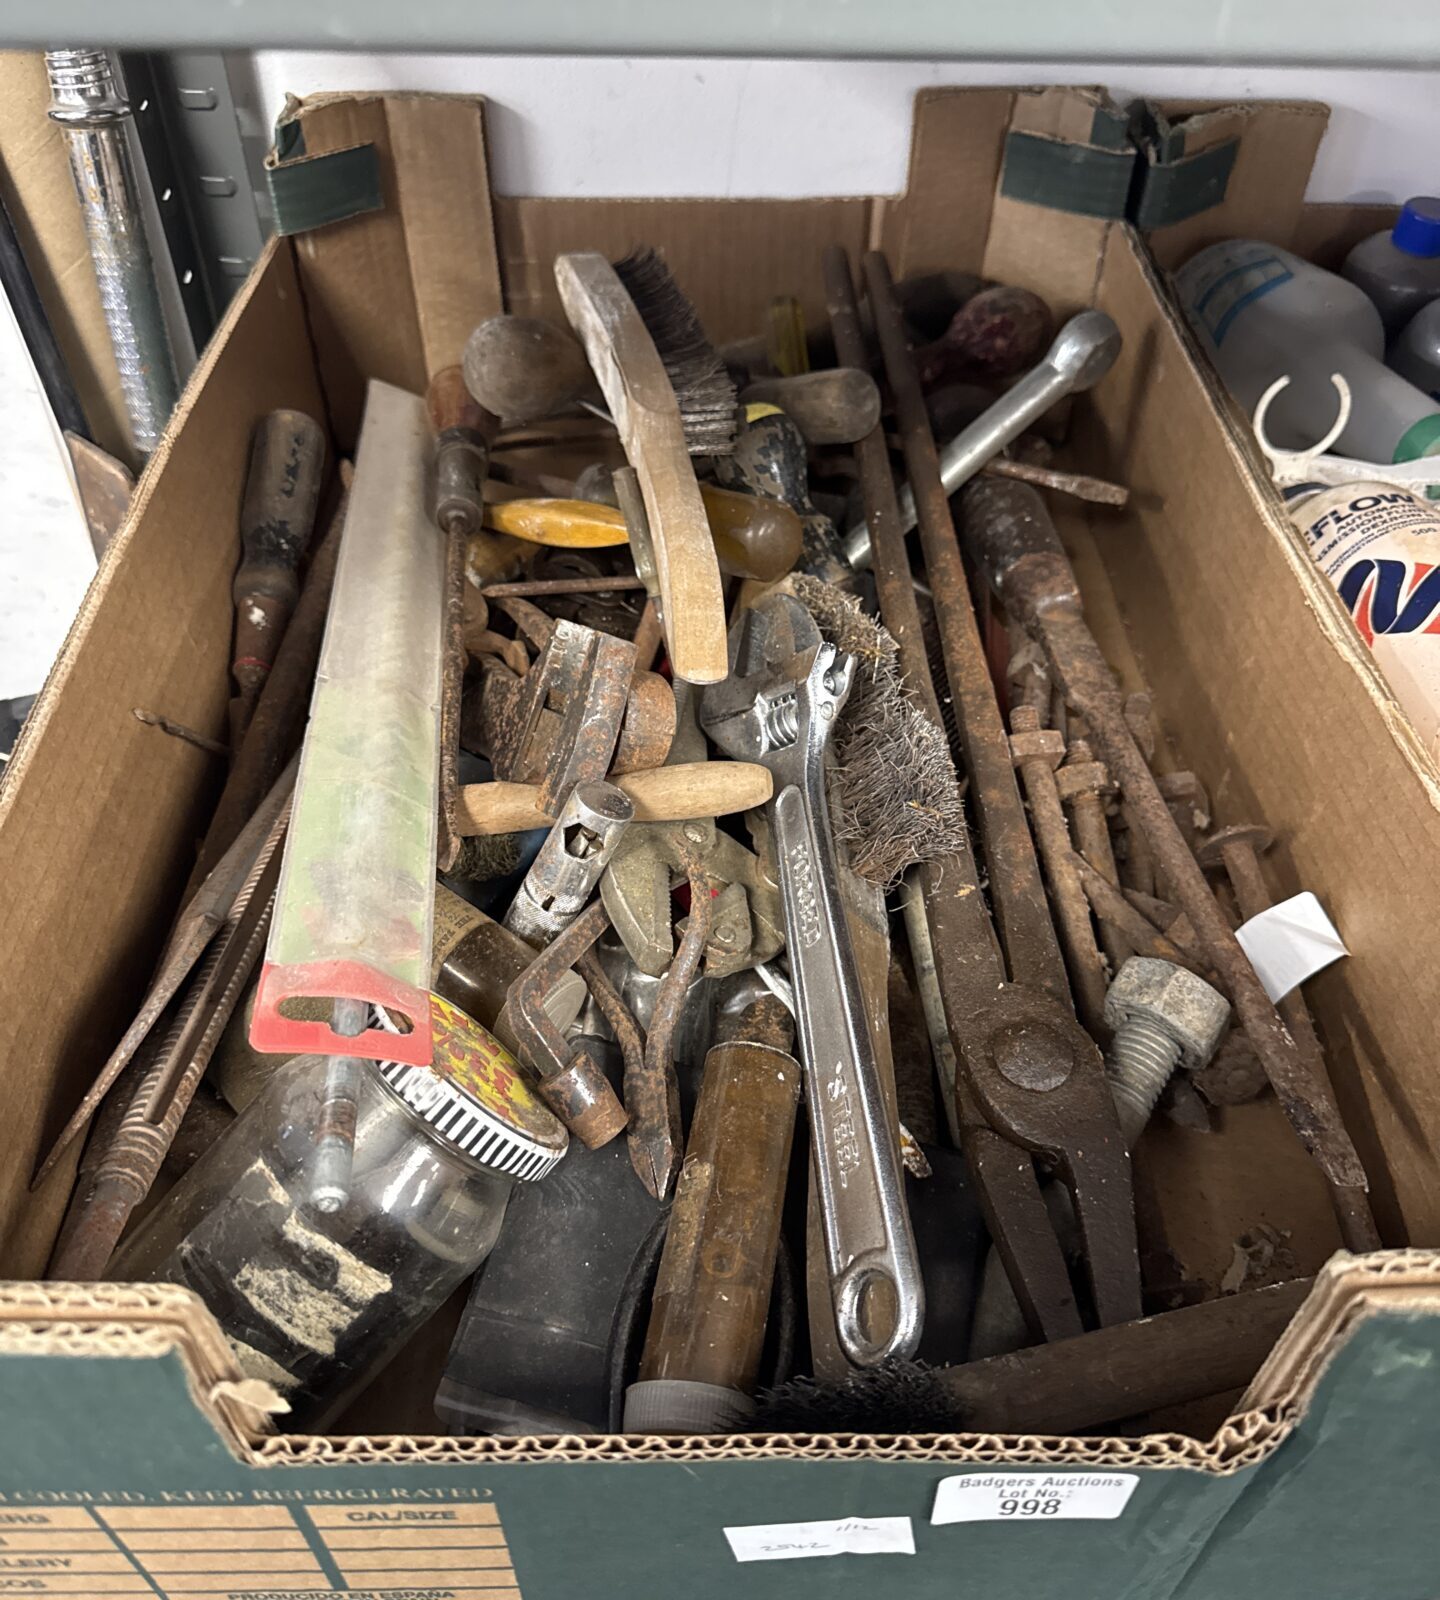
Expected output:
(1415, 352)
(1263, 313)
(1380, 547)
(1399, 267)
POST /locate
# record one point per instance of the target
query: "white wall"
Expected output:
(613, 126)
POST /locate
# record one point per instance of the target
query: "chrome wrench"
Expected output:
(780, 703)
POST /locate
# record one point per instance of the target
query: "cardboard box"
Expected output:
(133, 1459)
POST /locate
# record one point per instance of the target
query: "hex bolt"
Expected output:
(1164, 1017)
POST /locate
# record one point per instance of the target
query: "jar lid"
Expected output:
(476, 1099)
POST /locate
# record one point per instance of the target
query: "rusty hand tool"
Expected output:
(463, 430)
(582, 676)
(135, 1131)
(778, 706)
(1114, 909)
(1037, 753)
(563, 875)
(1029, 1078)
(652, 1101)
(712, 1293)
(652, 1106)
(205, 914)
(636, 892)
(1076, 484)
(1014, 543)
(1083, 352)
(570, 1081)
(277, 518)
(1083, 783)
(1237, 850)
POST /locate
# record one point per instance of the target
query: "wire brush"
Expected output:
(895, 798)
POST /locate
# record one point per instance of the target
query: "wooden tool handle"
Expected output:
(451, 405)
(633, 379)
(662, 794)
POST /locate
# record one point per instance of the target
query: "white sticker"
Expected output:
(1290, 942)
(1033, 1496)
(851, 1536)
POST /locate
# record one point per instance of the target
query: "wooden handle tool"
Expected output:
(642, 402)
(660, 794)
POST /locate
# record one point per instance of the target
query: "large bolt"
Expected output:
(1164, 1017)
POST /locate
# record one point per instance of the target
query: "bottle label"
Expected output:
(455, 919)
(1419, 439)
(1380, 547)
(1220, 291)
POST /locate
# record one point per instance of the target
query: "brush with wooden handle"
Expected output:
(642, 401)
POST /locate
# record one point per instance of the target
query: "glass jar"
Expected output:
(316, 1302)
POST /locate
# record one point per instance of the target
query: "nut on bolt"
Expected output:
(1164, 1017)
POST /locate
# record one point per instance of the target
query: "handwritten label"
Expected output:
(1034, 1497)
(796, 1541)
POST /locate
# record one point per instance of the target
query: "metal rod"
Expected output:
(86, 100)
(339, 1112)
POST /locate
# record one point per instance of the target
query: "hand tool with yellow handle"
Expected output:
(659, 794)
(647, 415)
(753, 537)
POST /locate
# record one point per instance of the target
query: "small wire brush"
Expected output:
(897, 1397)
(895, 798)
(706, 395)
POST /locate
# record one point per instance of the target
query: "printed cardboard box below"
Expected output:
(122, 1405)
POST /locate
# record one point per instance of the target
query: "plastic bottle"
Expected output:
(1263, 313)
(1380, 547)
(1415, 353)
(1399, 267)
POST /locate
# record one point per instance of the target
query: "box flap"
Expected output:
(1224, 171)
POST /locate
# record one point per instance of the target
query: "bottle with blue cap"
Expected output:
(1399, 267)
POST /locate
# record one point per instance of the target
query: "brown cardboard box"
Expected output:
(1259, 685)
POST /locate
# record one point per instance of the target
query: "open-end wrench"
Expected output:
(778, 707)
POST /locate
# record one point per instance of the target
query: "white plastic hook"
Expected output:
(1314, 465)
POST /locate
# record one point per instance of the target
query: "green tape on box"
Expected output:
(310, 191)
(1079, 178)
(1171, 191)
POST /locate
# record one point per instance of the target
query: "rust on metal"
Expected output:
(1017, 893)
(1078, 485)
(1113, 909)
(205, 915)
(648, 730)
(583, 678)
(1015, 544)
(452, 686)
(1238, 849)
(526, 587)
(1083, 782)
(570, 1081)
(130, 1143)
(1025, 1028)
(656, 1140)
(178, 730)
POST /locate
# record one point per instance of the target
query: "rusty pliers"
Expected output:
(1030, 1080)
(786, 689)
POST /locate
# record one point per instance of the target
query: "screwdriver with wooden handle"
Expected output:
(277, 518)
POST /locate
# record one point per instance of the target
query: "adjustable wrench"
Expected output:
(778, 707)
